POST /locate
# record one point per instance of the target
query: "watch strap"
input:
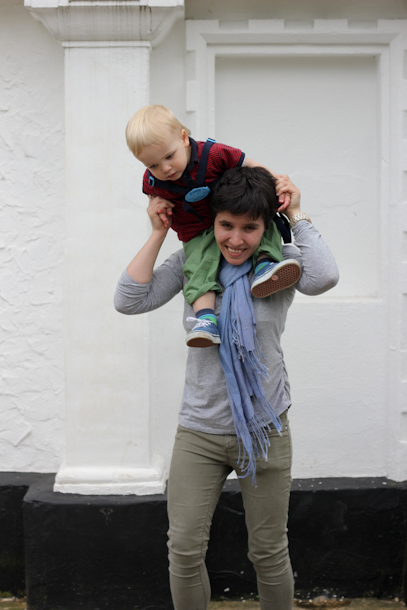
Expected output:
(302, 216)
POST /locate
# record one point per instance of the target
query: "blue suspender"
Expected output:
(201, 173)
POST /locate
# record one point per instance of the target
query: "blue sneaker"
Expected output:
(272, 277)
(204, 334)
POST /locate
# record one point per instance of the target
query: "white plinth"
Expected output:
(111, 481)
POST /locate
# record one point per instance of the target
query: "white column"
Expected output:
(107, 402)
(107, 376)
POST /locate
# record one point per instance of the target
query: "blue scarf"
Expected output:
(240, 355)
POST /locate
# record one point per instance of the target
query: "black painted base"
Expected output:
(347, 537)
(13, 487)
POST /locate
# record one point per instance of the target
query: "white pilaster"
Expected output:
(107, 49)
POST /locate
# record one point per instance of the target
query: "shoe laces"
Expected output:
(200, 322)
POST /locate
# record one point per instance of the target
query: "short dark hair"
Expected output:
(245, 191)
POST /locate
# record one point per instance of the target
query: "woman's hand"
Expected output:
(284, 186)
(160, 213)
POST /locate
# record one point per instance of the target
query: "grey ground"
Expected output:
(354, 604)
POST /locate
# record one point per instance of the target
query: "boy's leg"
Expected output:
(266, 511)
(272, 272)
(197, 474)
(201, 269)
(206, 301)
(201, 266)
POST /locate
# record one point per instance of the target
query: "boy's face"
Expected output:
(238, 237)
(167, 160)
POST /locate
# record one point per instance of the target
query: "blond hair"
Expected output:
(148, 126)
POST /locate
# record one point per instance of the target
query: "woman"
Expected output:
(211, 440)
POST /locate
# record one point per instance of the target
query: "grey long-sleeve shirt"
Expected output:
(205, 406)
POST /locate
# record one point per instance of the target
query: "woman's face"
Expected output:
(238, 237)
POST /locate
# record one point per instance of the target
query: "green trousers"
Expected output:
(203, 258)
(199, 466)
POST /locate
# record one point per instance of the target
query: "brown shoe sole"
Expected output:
(201, 342)
(287, 276)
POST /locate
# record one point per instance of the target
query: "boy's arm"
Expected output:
(285, 198)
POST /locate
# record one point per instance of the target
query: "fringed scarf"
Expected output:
(240, 355)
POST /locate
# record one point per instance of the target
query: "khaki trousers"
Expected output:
(200, 464)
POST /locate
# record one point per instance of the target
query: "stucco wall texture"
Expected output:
(31, 244)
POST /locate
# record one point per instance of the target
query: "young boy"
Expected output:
(180, 172)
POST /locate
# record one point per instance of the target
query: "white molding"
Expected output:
(107, 22)
(207, 40)
(95, 44)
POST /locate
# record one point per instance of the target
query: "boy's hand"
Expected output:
(285, 187)
(163, 208)
(156, 214)
(283, 199)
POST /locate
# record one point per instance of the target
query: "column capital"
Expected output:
(105, 21)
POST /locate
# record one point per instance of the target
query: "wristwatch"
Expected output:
(302, 216)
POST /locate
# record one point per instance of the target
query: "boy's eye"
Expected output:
(169, 156)
(152, 166)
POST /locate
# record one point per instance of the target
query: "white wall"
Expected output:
(32, 392)
(31, 244)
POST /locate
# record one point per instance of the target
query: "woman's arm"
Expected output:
(141, 267)
(319, 270)
(132, 298)
(140, 288)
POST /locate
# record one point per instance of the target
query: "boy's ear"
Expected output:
(184, 137)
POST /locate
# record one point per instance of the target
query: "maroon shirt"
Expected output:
(220, 158)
